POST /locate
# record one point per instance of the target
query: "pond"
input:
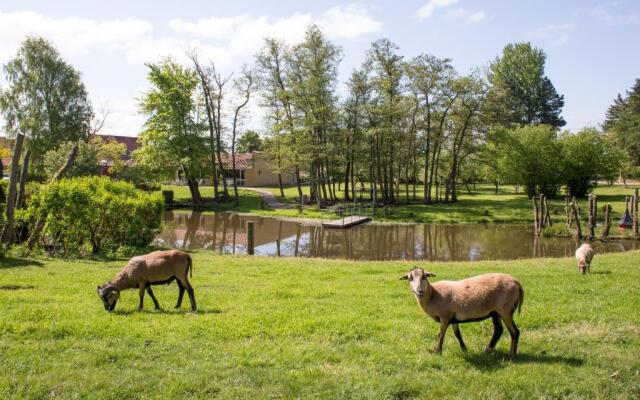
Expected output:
(226, 233)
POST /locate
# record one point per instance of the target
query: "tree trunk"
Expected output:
(67, 165)
(23, 179)
(8, 233)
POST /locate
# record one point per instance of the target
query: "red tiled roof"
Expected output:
(243, 160)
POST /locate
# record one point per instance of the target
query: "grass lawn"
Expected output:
(306, 328)
(481, 205)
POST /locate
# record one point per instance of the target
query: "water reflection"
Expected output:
(226, 233)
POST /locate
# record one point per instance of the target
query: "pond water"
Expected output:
(226, 233)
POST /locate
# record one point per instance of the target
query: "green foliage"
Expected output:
(623, 122)
(249, 142)
(520, 93)
(531, 156)
(45, 98)
(94, 214)
(587, 157)
(3, 190)
(173, 135)
(86, 163)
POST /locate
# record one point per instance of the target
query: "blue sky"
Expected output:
(593, 50)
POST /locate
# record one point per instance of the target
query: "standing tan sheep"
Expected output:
(473, 299)
(159, 267)
(584, 255)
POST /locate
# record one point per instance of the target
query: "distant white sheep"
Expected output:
(473, 299)
(584, 255)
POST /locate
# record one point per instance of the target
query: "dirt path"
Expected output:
(269, 198)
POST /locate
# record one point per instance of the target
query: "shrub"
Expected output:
(94, 214)
(3, 190)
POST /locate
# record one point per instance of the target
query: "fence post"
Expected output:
(250, 238)
(634, 208)
(574, 209)
(536, 216)
(607, 221)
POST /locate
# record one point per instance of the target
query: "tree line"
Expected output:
(402, 130)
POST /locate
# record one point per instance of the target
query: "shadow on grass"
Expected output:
(169, 312)
(498, 359)
(19, 262)
(600, 272)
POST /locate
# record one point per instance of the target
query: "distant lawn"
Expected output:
(481, 205)
(306, 328)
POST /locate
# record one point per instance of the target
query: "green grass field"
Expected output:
(481, 205)
(305, 328)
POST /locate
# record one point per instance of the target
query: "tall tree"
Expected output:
(249, 141)
(44, 105)
(519, 91)
(173, 138)
(313, 77)
(622, 122)
(244, 86)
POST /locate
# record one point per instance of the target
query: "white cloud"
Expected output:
(611, 15)
(431, 6)
(555, 33)
(476, 17)
(241, 35)
(71, 35)
(468, 18)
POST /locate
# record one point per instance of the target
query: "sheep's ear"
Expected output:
(404, 277)
(98, 289)
(429, 274)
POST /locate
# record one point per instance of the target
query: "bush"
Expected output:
(95, 214)
(3, 190)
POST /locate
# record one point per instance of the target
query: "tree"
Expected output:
(245, 86)
(532, 155)
(587, 157)
(276, 98)
(622, 122)
(520, 93)
(44, 105)
(172, 138)
(249, 141)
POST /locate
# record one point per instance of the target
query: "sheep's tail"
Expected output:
(190, 266)
(521, 298)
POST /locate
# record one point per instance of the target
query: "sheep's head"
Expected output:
(109, 295)
(417, 278)
(582, 267)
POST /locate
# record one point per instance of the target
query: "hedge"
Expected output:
(94, 214)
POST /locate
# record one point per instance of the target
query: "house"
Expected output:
(254, 169)
(131, 144)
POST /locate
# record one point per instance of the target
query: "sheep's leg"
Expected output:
(515, 334)
(444, 324)
(142, 289)
(497, 332)
(180, 294)
(456, 330)
(192, 296)
(153, 297)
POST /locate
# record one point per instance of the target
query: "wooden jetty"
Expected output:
(346, 222)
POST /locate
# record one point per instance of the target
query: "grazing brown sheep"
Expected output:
(157, 268)
(473, 299)
(584, 255)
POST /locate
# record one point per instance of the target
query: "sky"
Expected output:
(592, 47)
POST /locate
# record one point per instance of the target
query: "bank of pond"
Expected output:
(226, 233)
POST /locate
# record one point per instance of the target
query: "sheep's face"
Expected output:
(109, 295)
(582, 267)
(417, 278)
